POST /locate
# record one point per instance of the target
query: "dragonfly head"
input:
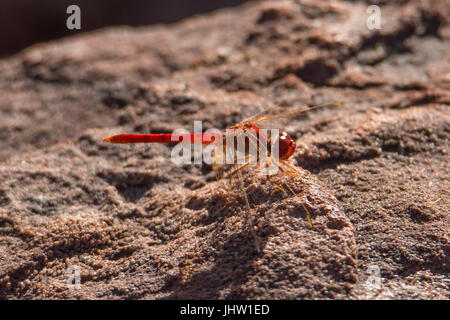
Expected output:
(286, 145)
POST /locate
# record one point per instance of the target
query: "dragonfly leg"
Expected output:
(231, 179)
(248, 218)
(276, 186)
(302, 172)
(298, 175)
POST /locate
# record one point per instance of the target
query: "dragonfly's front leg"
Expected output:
(299, 172)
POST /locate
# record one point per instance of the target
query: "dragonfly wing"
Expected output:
(270, 115)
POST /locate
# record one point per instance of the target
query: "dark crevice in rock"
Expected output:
(131, 185)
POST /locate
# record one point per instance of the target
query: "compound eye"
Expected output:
(286, 146)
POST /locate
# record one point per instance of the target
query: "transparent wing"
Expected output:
(263, 117)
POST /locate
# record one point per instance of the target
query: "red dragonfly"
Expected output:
(249, 134)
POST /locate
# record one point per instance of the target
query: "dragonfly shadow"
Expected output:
(232, 270)
(229, 244)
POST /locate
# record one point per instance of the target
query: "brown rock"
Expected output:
(135, 225)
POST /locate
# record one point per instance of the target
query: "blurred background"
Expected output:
(25, 22)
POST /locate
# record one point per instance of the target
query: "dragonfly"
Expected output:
(255, 143)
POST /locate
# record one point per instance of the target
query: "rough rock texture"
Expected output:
(137, 226)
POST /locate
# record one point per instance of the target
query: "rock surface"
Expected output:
(135, 225)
